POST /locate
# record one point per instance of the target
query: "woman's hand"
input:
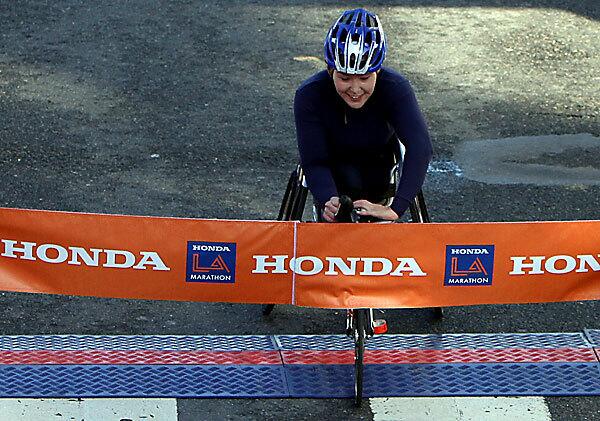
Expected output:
(366, 208)
(332, 206)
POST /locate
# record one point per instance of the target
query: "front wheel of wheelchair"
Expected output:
(359, 333)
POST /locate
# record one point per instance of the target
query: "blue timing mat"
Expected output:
(318, 366)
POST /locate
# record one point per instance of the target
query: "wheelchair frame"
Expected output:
(292, 209)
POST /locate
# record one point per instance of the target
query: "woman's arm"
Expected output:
(409, 124)
(312, 146)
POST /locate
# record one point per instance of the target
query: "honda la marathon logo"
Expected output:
(210, 262)
(469, 265)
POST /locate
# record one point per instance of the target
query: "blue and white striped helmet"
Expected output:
(355, 44)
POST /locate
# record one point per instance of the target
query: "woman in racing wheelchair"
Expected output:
(350, 119)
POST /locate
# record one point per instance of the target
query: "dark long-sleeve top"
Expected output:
(330, 134)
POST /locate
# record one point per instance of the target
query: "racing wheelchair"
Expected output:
(360, 323)
(294, 202)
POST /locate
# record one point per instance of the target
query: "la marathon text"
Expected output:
(467, 281)
(209, 277)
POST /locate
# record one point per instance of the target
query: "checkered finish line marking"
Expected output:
(299, 366)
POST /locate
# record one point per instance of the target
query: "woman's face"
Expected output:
(355, 90)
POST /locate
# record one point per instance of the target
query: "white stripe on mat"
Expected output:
(88, 409)
(460, 409)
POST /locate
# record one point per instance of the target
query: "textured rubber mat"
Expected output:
(299, 366)
(593, 336)
(147, 357)
(128, 343)
(142, 381)
(314, 342)
(442, 356)
(442, 341)
(569, 379)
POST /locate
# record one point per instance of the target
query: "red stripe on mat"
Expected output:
(442, 356)
(400, 356)
(140, 357)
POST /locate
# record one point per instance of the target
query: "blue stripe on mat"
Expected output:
(543, 379)
(142, 381)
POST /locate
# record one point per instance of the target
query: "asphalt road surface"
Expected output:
(184, 108)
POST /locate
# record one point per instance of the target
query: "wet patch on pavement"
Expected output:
(541, 160)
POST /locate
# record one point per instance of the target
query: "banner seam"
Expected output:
(294, 260)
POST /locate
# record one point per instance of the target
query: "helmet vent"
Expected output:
(363, 61)
(376, 57)
(352, 60)
(343, 35)
(341, 58)
(334, 32)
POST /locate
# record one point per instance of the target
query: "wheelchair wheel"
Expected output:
(438, 313)
(359, 331)
(418, 209)
(292, 208)
(419, 214)
(423, 207)
(285, 209)
(267, 309)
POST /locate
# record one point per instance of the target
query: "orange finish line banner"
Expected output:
(306, 264)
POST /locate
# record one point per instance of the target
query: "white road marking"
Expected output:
(88, 409)
(444, 167)
(460, 409)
